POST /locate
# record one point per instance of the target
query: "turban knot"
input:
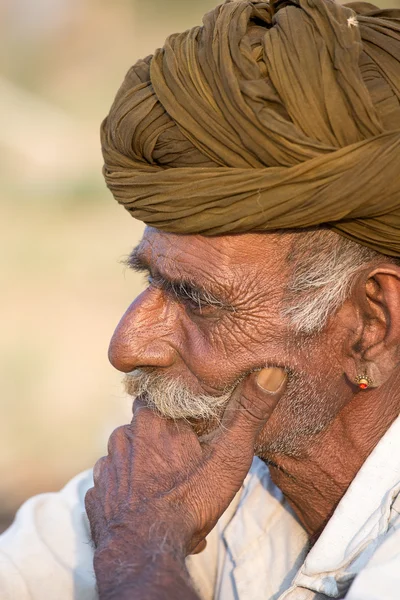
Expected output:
(269, 116)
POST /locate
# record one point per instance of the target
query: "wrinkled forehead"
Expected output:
(253, 254)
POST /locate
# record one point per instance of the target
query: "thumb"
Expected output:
(249, 408)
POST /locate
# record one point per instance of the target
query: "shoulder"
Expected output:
(47, 552)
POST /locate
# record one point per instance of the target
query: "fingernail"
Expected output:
(271, 380)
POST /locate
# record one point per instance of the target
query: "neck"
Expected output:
(314, 484)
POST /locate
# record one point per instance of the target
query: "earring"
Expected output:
(363, 382)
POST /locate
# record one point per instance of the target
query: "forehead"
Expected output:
(197, 255)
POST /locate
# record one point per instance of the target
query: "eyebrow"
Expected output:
(183, 289)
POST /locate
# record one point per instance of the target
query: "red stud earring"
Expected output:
(363, 382)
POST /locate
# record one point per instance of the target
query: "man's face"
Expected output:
(213, 313)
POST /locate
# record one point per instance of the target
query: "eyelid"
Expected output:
(205, 297)
(155, 282)
(190, 297)
(186, 293)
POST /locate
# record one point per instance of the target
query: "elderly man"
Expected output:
(263, 152)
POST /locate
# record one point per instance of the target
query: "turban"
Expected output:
(269, 116)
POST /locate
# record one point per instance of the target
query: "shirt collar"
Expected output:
(359, 522)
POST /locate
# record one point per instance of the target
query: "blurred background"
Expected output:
(62, 235)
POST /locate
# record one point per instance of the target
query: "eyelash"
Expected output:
(193, 301)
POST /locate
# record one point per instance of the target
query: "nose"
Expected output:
(143, 337)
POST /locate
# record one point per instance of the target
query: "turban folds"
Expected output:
(270, 116)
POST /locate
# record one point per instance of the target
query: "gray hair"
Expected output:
(323, 266)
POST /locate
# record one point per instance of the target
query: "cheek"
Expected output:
(319, 357)
(218, 352)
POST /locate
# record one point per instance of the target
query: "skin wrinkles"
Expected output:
(239, 324)
(148, 251)
(228, 329)
(322, 429)
(233, 279)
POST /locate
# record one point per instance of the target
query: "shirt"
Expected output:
(258, 550)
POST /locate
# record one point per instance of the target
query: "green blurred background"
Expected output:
(62, 236)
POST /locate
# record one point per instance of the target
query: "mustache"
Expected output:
(172, 398)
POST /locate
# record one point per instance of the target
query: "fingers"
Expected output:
(250, 407)
(98, 468)
(92, 513)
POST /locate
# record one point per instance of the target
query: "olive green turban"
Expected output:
(269, 116)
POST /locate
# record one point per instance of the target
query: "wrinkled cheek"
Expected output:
(206, 352)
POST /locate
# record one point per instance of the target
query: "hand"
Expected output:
(161, 489)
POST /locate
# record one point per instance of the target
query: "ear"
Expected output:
(372, 318)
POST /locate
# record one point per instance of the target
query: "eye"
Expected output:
(195, 301)
(197, 305)
(152, 281)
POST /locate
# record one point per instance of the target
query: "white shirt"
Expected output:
(258, 550)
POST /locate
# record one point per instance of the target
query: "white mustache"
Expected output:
(172, 398)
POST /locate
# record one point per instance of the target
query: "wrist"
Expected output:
(152, 584)
(135, 570)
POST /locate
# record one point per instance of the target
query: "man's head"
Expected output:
(322, 307)
(247, 145)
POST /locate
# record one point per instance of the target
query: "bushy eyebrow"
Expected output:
(182, 289)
